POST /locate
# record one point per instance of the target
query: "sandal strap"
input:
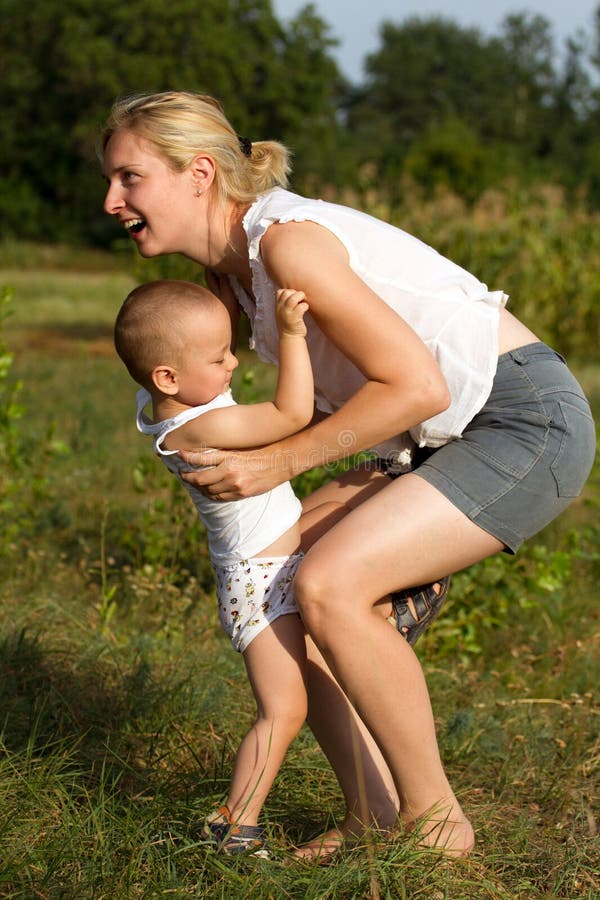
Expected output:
(217, 824)
(232, 838)
(244, 838)
(427, 604)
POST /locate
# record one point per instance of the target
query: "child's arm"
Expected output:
(253, 425)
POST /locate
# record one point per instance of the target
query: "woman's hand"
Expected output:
(233, 475)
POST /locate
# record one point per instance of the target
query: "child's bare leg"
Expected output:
(275, 661)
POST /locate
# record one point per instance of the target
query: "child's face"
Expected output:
(207, 365)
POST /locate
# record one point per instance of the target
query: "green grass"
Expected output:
(121, 703)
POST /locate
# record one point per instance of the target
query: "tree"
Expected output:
(65, 61)
(431, 81)
(426, 71)
(530, 81)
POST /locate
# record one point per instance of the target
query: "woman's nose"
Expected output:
(113, 201)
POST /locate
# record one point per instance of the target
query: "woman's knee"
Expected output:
(318, 594)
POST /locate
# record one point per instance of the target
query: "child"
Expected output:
(175, 339)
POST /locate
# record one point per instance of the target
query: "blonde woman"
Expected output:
(408, 350)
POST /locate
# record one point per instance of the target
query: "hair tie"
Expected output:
(245, 145)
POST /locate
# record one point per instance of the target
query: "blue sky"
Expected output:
(356, 24)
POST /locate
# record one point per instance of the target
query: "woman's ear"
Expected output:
(165, 379)
(203, 170)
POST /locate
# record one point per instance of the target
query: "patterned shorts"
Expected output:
(253, 593)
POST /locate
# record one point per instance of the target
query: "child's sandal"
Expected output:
(232, 839)
(427, 604)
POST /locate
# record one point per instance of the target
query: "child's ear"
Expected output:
(165, 379)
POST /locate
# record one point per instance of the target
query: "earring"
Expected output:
(198, 192)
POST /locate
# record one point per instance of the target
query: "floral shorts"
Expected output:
(253, 593)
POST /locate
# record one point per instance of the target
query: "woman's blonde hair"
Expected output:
(181, 124)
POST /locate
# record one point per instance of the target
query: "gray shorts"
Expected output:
(523, 459)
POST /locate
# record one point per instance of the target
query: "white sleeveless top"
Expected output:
(236, 530)
(451, 311)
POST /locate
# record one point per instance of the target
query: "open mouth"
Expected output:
(134, 226)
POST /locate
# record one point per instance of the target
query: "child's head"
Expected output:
(175, 339)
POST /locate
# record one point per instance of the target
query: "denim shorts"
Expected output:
(526, 455)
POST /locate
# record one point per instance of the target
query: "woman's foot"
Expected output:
(321, 849)
(448, 831)
(324, 847)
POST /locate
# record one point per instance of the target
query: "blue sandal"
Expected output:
(427, 604)
(232, 839)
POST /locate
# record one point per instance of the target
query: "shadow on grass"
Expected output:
(111, 724)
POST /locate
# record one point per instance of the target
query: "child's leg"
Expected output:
(326, 506)
(275, 661)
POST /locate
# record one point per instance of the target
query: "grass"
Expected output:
(121, 703)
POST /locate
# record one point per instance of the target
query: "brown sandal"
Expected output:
(427, 604)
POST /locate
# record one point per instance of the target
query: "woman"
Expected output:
(401, 341)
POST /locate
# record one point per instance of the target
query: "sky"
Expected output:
(355, 23)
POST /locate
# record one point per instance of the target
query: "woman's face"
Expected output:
(154, 204)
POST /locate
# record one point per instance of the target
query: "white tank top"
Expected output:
(452, 312)
(237, 529)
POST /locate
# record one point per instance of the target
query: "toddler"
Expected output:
(175, 339)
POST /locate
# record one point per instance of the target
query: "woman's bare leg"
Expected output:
(338, 586)
(363, 775)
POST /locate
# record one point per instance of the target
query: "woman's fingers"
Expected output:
(221, 475)
(232, 476)
(203, 458)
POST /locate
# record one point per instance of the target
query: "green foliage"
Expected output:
(10, 413)
(534, 243)
(23, 468)
(65, 62)
(520, 113)
(490, 595)
(445, 104)
(10, 410)
(450, 154)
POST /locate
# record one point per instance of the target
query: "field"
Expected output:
(121, 703)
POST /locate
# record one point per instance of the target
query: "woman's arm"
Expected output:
(404, 384)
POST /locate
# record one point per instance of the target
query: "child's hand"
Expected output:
(290, 309)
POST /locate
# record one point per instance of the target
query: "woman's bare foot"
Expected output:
(446, 830)
(322, 848)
